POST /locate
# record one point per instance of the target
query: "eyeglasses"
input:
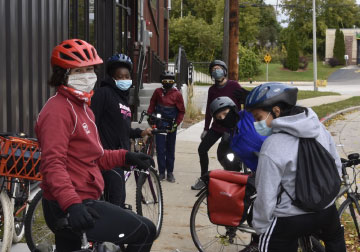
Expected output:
(168, 81)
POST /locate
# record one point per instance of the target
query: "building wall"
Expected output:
(159, 41)
(29, 30)
(350, 44)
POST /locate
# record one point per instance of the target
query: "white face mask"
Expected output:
(84, 82)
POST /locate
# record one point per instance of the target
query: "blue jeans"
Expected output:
(165, 149)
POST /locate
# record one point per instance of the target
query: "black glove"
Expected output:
(81, 217)
(140, 160)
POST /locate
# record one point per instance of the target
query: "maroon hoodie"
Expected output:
(233, 90)
(71, 153)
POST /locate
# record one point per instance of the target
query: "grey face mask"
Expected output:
(218, 74)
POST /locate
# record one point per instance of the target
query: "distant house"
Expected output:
(30, 29)
(352, 44)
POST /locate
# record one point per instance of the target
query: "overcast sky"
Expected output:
(281, 16)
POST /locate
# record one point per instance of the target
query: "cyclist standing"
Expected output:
(279, 222)
(72, 157)
(168, 102)
(111, 108)
(222, 87)
(244, 140)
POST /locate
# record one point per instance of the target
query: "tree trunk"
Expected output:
(233, 39)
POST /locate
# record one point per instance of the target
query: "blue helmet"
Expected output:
(121, 59)
(269, 94)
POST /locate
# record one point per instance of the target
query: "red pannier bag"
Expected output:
(229, 197)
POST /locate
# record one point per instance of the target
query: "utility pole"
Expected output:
(225, 49)
(233, 39)
(314, 45)
(181, 7)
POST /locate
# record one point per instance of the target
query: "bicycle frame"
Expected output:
(133, 169)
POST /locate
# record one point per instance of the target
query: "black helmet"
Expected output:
(118, 60)
(218, 63)
(167, 75)
(221, 103)
(269, 94)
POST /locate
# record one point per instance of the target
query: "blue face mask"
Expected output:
(262, 128)
(218, 74)
(123, 84)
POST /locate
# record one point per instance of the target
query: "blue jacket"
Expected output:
(245, 141)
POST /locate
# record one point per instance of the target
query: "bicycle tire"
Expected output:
(36, 230)
(19, 226)
(349, 214)
(7, 222)
(317, 246)
(20, 207)
(219, 240)
(314, 246)
(144, 200)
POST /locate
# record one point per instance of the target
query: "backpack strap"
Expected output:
(282, 189)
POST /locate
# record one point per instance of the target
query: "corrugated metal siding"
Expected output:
(29, 30)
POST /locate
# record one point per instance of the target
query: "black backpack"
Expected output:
(317, 180)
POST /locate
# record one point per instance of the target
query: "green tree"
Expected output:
(330, 14)
(201, 41)
(249, 63)
(269, 27)
(249, 18)
(339, 47)
(205, 9)
(292, 61)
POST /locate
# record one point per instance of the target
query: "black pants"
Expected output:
(114, 191)
(116, 225)
(283, 233)
(207, 142)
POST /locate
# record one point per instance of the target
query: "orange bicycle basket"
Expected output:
(20, 158)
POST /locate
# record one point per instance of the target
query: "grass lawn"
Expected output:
(326, 109)
(305, 94)
(277, 73)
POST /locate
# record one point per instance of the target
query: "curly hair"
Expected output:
(58, 77)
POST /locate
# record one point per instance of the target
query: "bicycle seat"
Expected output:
(353, 156)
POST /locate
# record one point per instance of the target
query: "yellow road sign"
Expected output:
(321, 83)
(267, 58)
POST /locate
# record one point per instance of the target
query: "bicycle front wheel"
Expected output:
(211, 237)
(149, 198)
(349, 213)
(36, 231)
(6, 222)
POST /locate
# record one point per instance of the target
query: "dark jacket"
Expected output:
(169, 103)
(71, 154)
(233, 90)
(113, 116)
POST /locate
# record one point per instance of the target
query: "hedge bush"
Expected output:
(249, 63)
(292, 61)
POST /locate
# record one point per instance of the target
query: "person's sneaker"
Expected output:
(170, 177)
(199, 184)
(162, 176)
(252, 247)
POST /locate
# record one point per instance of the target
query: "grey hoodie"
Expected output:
(277, 164)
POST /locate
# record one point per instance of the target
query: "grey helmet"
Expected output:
(221, 103)
(218, 63)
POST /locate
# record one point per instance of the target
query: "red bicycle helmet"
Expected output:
(74, 53)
